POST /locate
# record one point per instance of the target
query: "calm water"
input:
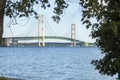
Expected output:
(50, 63)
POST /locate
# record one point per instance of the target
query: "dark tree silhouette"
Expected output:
(107, 31)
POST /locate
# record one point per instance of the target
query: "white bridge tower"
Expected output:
(41, 33)
(73, 35)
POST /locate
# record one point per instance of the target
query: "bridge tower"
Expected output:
(73, 35)
(41, 28)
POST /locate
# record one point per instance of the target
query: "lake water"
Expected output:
(50, 63)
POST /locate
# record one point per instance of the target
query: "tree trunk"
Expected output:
(2, 9)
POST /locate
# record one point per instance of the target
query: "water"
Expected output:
(50, 63)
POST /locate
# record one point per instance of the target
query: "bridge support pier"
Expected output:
(7, 42)
(85, 44)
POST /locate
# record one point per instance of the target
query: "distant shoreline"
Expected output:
(55, 44)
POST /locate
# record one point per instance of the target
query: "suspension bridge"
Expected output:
(43, 26)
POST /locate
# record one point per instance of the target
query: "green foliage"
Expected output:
(106, 30)
(58, 10)
(20, 8)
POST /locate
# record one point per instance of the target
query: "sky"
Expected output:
(29, 26)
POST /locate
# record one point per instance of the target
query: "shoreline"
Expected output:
(9, 78)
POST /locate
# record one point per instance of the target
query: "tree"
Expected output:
(106, 30)
(20, 8)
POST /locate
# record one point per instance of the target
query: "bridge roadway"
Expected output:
(46, 37)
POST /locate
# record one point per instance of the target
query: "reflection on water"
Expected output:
(50, 63)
